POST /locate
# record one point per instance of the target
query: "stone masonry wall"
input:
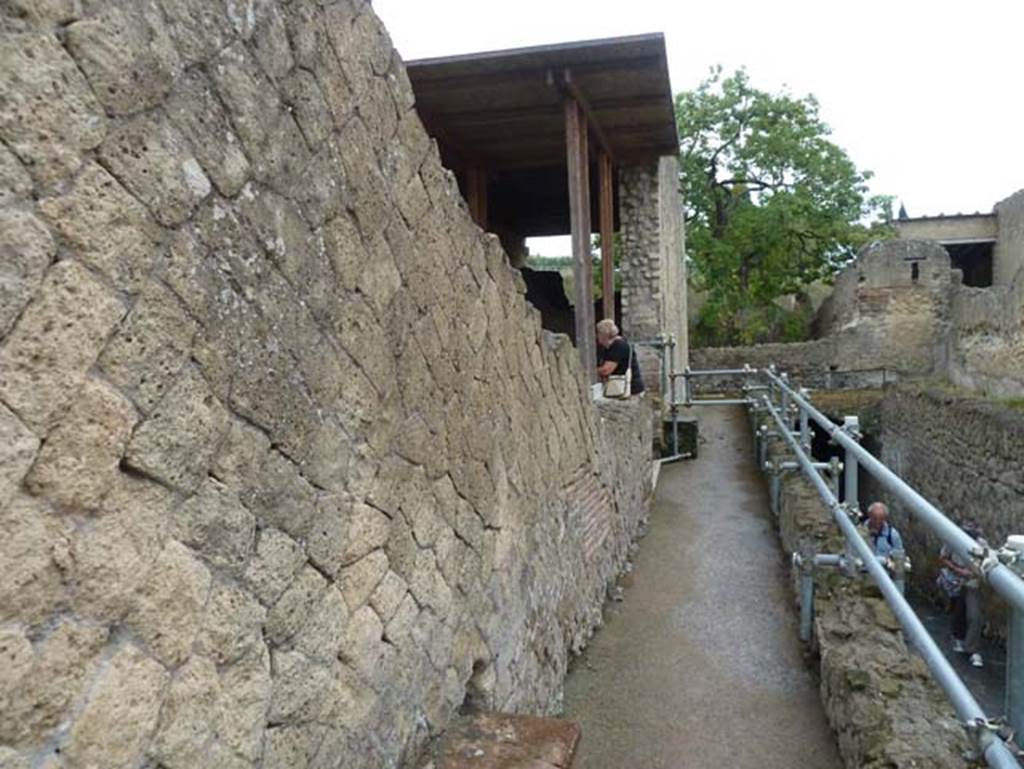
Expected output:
(652, 262)
(880, 700)
(289, 471)
(1008, 259)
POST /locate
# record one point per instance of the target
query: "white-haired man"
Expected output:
(885, 538)
(615, 355)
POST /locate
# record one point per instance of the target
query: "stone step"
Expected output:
(508, 741)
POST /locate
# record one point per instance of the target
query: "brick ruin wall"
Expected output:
(289, 471)
(879, 697)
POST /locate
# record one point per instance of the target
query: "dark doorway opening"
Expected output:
(974, 260)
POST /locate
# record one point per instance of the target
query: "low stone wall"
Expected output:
(879, 698)
(289, 471)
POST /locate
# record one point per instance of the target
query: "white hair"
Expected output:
(607, 328)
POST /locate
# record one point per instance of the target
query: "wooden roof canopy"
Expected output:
(502, 113)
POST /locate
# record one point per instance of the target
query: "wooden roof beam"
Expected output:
(565, 83)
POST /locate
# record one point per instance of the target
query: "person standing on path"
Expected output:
(963, 588)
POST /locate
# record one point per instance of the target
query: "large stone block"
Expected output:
(296, 606)
(246, 689)
(114, 555)
(18, 447)
(195, 110)
(272, 140)
(79, 460)
(217, 525)
(38, 681)
(116, 723)
(359, 580)
(26, 250)
(55, 341)
(127, 54)
(170, 604)
(49, 116)
(199, 28)
(188, 716)
(277, 560)
(106, 227)
(33, 556)
(15, 183)
(149, 349)
(233, 626)
(177, 442)
(151, 158)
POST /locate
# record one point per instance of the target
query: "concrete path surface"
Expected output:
(699, 667)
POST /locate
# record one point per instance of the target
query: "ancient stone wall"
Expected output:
(652, 263)
(289, 471)
(1008, 257)
(879, 697)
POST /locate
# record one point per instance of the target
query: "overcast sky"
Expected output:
(929, 96)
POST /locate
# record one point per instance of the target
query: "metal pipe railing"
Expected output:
(996, 753)
(1003, 579)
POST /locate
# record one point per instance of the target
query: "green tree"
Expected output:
(771, 203)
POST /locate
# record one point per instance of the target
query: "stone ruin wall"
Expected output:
(652, 264)
(879, 697)
(289, 471)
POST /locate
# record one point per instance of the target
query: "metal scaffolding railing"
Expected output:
(790, 413)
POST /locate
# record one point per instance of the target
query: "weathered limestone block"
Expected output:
(199, 28)
(217, 525)
(233, 626)
(153, 161)
(170, 604)
(368, 529)
(269, 134)
(42, 362)
(44, 11)
(281, 497)
(277, 560)
(265, 27)
(388, 596)
(18, 447)
(321, 637)
(38, 681)
(48, 114)
(288, 746)
(246, 689)
(26, 251)
(118, 719)
(33, 555)
(328, 534)
(177, 442)
(113, 556)
(296, 606)
(359, 580)
(79, 460)
(195, 110)
(188, 716)
(15, 183)
(302, 93)
(151, 346)
(127, 54)
(106, 227)
(363, 647)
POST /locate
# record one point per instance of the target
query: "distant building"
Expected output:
(988, 248)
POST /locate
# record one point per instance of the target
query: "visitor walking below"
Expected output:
(962, 586)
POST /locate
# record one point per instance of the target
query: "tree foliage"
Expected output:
(772, 204)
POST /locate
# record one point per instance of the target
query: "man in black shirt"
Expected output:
(614, 354)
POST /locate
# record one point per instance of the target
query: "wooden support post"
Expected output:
(607, 213)
(579, 216)
(476, 191)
